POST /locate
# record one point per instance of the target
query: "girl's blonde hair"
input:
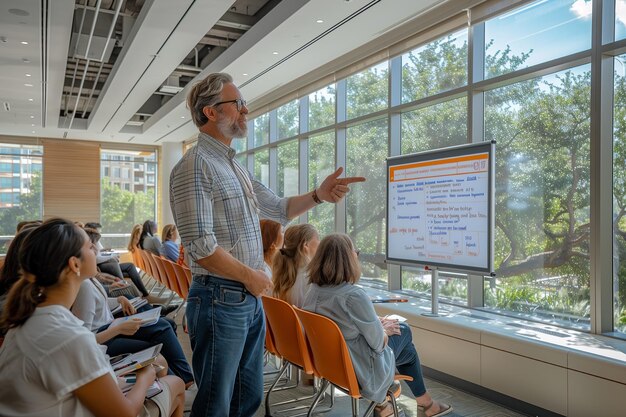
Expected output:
(133, 243)
(291, 257)
(334, 262)
(168, 231)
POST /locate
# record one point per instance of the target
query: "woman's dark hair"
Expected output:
(43, 256)
(149, 229)
(10, 272)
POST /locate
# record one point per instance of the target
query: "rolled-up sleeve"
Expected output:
(365, 319)
(272, 207)
(191, 200)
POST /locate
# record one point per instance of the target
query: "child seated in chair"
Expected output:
(377, 346)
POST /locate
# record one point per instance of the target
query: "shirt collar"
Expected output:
(215, 145)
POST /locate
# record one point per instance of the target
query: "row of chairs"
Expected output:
(171, 275)
(314, 344)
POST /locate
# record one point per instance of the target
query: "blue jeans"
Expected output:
(227, 333)
(407, 361)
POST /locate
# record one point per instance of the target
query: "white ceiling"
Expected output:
(164, 33)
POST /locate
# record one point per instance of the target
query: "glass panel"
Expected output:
(452, 286)
(128, 193)
(619, 195)
(438, 126)
(262, 167)
(367, 91)
(288, 169)
(322, 108)
(535, 33)
(542, 197)
(365, 206)
(288, 120)
(436, 67)
(262, 130)
(21, 180)
(239, 144)
(321, 164)
(620, 19)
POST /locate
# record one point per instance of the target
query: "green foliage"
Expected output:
(122, 209)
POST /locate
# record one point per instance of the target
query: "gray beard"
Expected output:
(231, 130)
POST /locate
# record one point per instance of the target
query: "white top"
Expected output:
(43, 361)
(300, 287)
(91, 305)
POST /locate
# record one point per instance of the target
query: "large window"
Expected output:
(20, 188)
(542, 196)
(531, 93)
(322, 108)
(126, 200)
(321, 164)
(438, 66)
(367, 91)
(262, 167)
(288, 169)
(535, 33)
(365, 209)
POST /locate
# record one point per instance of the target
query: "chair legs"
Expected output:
(268, 411)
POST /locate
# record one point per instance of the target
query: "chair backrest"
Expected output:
(171, 275)
(137, 259)
(287, 333)
(330, 354)
(158, 264)
(269, 339)
(147, 267)
(154, 271)
(182, 279)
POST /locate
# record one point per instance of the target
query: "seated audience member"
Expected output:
(10, 272)
(50, 365)
(135, 234)
(272, 236)
(377, 346)
(112, 266)
(23, 223)
(290, 277)
(148, 239)
(170, 249)
(93, 307)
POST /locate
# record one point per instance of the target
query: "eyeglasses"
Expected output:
(241, 103)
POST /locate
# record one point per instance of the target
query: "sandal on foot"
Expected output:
(443, 409)
(386, 410)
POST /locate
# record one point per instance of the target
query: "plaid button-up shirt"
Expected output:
(211, 207)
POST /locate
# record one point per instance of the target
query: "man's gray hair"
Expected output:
(206, 93)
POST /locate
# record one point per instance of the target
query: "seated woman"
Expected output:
(272, 236)
(135, 234)
(92, 306)
(377, 347)
(289, 269)
(170, 249)
(49, 363)
(10, 271)
(148, 239)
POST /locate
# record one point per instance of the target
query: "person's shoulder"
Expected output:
(52, 327)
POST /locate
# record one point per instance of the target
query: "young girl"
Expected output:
(49, 363)
(273, 237)
(377, 346)
(289, 268)
(170, 249)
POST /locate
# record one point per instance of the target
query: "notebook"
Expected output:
(136, 302)
(148, 318)
(137, 360)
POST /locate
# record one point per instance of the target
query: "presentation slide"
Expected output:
(439, 210)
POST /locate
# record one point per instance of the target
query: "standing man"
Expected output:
(217, 205)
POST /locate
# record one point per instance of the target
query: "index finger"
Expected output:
(350, 180)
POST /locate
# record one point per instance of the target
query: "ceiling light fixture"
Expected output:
(319, 21)
(32, 117)
(182, 117)
(33, 131)
(31, 99)
(28, 75)
(24, 43)
(33, 125)
(27, 85)
(275, 53)
(245, 74)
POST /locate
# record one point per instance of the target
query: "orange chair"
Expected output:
(289, 343)
(331, 358)
(183, 279)
(168, 266)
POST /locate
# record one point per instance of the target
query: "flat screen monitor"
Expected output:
(440, 208)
